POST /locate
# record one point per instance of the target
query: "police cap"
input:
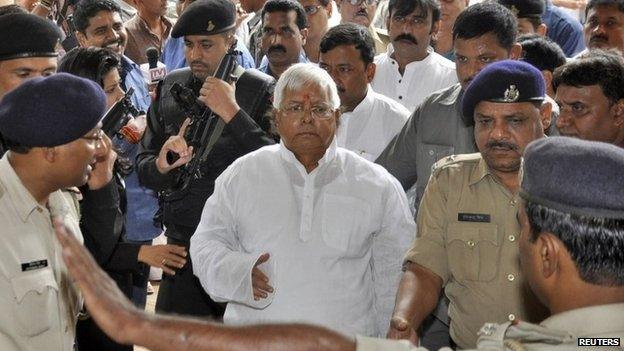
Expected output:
(25, 35)
(206, 17)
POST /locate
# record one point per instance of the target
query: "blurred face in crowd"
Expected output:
(15, 72)
(411, 33)
(318, 16)
(586, 113)
(345, 65)
(306, 121)
(604, 28)
(111, 83)
(282, 40)
(361, 12)
(503, 130)
(473, 54)
(152, 7)
(203, 53)
(105, 30)
(525, 26)
(251, 6)
(449, 10)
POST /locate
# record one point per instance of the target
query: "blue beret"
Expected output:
(575, 176)
(51, 111)
(206, 17)
(525, 8)
(25, 35)
(507, 81)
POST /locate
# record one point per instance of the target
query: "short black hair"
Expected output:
(595, 3)
(286, 6)
(541, 52)
(604, 68)
(405, 7)
(11, 9)
(350, 34)
(90, 63)
(595, 244)
(487, 17)
(87, 9)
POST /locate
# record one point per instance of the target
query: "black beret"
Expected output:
(507, 81)
(575, 176)
(525, 8)
(206, 17)
(51, 111)
(25, 35)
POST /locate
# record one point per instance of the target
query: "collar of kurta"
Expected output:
(22, 199)
(289, 156)
(366, 105)
(594, 320)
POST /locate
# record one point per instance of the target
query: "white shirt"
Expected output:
(371, 125)
(336, 237)
(420, 79)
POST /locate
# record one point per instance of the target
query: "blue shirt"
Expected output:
(141, 202)
(265, 68)
(173, 54)
(564, 29)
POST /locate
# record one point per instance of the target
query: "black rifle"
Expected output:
(205, 127)
(119, 115)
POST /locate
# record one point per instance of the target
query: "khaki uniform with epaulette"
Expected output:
(468, 236)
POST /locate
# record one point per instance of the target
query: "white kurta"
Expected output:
(373, 123)
(420, 79)
(336, 237)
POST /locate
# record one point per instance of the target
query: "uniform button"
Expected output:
(511, 317)
(512, 238)
(39, 209)
(513, 202)
(511, 277)
(400, 80)
(431, 152)
(471, 243)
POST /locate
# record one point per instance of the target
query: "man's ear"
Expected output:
(541, 29)
(370, 71)
(50, 154)
(515, 52)
(618, 112)
(304, 35)
(549, 254)
(546, 114)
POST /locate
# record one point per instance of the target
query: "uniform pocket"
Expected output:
(35, 298)
(344, 223)
(473, 252)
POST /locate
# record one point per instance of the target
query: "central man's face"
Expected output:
(503, 130)
(105, 30)
(203, 53)
(15, 72)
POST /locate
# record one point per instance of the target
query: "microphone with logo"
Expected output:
(154, 71)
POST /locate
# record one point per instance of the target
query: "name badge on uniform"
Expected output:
(31, 266)
(473, 217)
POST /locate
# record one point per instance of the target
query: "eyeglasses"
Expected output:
(367, 2)
(321, 111)
(310, 10)
(96, 136)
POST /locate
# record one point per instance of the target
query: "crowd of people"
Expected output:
(328, 174)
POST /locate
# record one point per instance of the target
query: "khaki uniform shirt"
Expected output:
(468, 235)
(140, 38)
(38, 302)
(560, 332)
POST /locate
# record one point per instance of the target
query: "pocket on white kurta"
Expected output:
(344, 225)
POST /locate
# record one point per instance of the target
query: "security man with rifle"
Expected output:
(204, 117)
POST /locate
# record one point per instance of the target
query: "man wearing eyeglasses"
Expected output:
(284, 32)
(54, 146)
(410, 70)
(318, 13)
(362, 12)
(304, 231)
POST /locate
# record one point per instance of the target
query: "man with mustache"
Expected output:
(467, 225)
(604, 28)
(362, 12)
(410, 70)
(590, 93)
(369, 120)
(284, 33)
(208, 29)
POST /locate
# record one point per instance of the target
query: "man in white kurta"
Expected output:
(335, 232)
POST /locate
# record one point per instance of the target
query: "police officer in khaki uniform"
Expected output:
(467, 225)
(53, 147)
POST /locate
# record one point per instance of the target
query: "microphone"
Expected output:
(154, 71)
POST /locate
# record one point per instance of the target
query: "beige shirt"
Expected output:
(468, 236)
(38, 302)
(140, 38)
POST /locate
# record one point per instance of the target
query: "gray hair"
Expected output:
(301, 75)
